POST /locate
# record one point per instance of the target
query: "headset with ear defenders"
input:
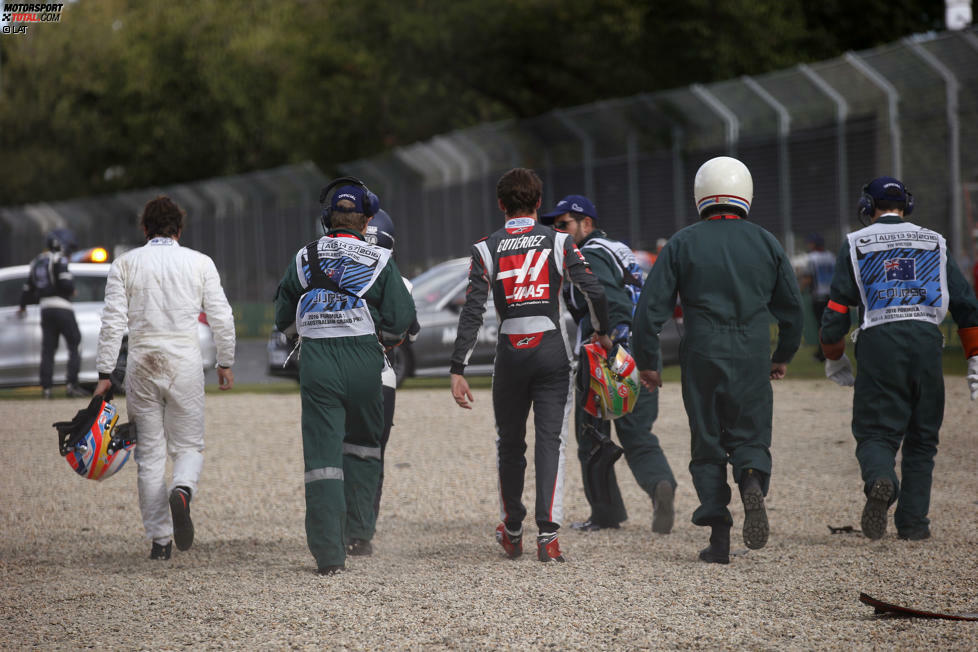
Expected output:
(324, 199)
(866, 207)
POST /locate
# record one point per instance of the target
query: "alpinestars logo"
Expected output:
(525, 277)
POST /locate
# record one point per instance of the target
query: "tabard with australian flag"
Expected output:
(901, 272)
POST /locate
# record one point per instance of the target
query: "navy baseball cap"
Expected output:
(570, 204)
(356, 194)
(886, 189)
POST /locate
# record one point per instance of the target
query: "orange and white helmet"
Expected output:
(611, 386)
(94, 443)
(723, 181)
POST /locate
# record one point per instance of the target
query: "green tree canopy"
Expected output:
(127, 93)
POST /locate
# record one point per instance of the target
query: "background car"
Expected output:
(20, 337)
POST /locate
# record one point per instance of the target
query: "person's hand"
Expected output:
(972, 376)
(102, 387)
(840, 371)
(225, 378)
(650, 379)
(778, 370)
(604, 341)
(461, 392)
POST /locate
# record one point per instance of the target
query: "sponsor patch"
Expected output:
(526, 341)
(525, 277)
(519, 225)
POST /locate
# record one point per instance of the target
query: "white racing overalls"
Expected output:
(158, 291)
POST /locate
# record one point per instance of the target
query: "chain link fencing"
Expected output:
(812, 135)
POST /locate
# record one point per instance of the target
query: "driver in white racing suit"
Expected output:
(158, 291)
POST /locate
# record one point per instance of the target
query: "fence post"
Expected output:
(587, 145)
(951, 86)
(893, 108)
(784, 160)
(842, 161)
(729, 118)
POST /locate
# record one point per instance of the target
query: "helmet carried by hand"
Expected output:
(723, 182)
(93, 442)
(608, 381)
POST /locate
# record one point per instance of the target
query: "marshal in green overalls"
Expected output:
(643, 453)
(340, 380)
(906, 283)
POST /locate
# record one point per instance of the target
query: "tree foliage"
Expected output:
(127, 93)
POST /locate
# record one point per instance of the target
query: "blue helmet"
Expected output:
(380, 230)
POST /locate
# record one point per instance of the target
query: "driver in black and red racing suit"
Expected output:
(524, 264)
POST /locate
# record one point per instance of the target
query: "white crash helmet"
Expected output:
(723, 181)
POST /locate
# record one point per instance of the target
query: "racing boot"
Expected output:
(663, 513)
(756, 527)
(511, 543)
(183, 527)
(877, 503)
(547, 547)
(718, 552)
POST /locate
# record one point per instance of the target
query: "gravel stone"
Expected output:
(74, 567)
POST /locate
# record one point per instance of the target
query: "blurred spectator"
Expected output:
(817, 278)
(51, 284)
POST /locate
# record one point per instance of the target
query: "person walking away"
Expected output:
(621, 277)
(733, 277)
(157, 292)
(904, 281)
(524, 264)
(340, 291)
(817, 279)
(380, 232)
(51, 284)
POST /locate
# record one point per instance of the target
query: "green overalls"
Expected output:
(643, 453)
(731, 276)
(340, 383)
(899, 391)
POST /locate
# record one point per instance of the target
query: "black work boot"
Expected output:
(718, 552)
(663, 512)
(359, 548)
(160, 551)
(331, 570)
(591, 526)
(877, 504)
(756, 527)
